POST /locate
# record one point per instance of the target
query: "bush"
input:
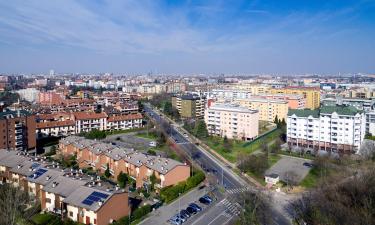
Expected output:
(151, 152)
(170, 193)
(141, 212)
(122, 179)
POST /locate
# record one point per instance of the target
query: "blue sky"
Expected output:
(218, 36)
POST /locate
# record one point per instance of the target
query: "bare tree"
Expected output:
(255, 208)
(13, 203)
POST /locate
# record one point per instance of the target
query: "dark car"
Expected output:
(184, 213)
(204, 201)
(197, 207)
(191, 210)
(207, 198)
(307, 164)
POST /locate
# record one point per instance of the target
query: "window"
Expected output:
(48, 200)
(70, 213)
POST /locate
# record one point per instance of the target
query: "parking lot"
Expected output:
(291, 168)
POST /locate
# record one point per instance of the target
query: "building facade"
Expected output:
(311, 94)
(331, 128)
(189, 106)
(232, 121)
(17, 130)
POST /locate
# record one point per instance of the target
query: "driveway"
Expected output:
(129, 140)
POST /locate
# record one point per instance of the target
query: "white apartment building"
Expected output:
(29, 94)
(229, 93)
(232, 121)
(330, 128)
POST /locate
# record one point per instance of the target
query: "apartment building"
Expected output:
(360, 104)
(17, 130)
(62, 124)
(124, 122)
(311, 94)
(294, 101)
(29, 94)
(268, 108)
(229, 93)
(232, 121)
(65, 192)
(88, 121)
(137, 165)
(50, 98)
(330, 128)
(189, 105)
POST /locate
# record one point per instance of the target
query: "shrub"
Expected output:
(141, 212)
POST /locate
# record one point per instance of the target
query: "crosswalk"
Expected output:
(231, 208)
(237, 190)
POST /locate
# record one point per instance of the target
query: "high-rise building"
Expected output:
(17, 130)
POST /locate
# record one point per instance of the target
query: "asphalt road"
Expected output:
(223, 211)
(210, 164)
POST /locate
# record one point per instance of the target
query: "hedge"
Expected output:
(170, 193)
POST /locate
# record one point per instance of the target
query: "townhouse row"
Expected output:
(139, 166)
(68, 193)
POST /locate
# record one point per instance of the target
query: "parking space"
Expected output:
(291, 168)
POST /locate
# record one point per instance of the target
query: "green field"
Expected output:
(216, 143)
(311, 179)
(149, 135)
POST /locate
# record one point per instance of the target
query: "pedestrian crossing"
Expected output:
(231, 208)
(237, 190)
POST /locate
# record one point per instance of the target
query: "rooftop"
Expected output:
(339, 109)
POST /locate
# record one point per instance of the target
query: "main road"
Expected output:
(223, 210)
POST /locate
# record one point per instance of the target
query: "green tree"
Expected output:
(167, 108)
(276, 120)
(13, 203)
(201, 129)
(107, 173)
(122, 179)
(95, 134)
(227, 144)
(153, 180)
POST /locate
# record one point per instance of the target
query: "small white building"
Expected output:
(272, 178)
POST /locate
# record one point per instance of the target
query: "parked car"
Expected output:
(308, 164)
(205, 201)
(185, 213)
(186, 135)
(195, 206)
(175, 220)
(182, 218)
(191, 210)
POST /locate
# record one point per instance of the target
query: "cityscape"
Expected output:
(187, 112)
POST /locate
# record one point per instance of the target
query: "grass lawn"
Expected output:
(150, 135)
(44, 219)
(272, 159)
(216, 143)
(264, 126)
(305, 156)
(170, 153)
(311, 179)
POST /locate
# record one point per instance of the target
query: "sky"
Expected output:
(188, 37)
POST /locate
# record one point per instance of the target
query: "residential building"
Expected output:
(29, 94)
(68, 193)
(370, 122)
(124, 122)
(87, 121)
(138, 166)
(311, 94)
(232, 121)
(17, 130)
(360, 104)
(330, 128)
(189, 105)
(294, 101)
(268, 108)
(50, 98)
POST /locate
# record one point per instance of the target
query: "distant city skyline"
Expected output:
(172, 37)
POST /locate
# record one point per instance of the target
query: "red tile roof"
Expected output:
(51, 124)
(89, 115)
(125, 117)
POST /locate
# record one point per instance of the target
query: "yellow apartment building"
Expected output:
(311, 94)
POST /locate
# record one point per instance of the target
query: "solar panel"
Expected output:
(34, 165)
(38, 173)
(94, 197)
(100, 195)
(87, 202)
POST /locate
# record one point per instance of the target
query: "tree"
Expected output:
(107, 173)
(256, 164)
(227, 144)
(200, 129)
(347, 201)
(13, 203)
(276, 120)
(153, 180)
(122, 179)
(95, 134)
(255, 208)
(168, 108)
